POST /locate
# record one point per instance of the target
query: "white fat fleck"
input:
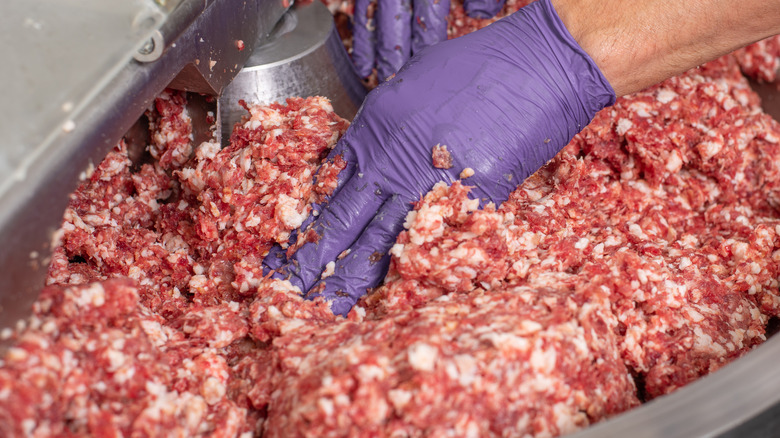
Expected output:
(566, 419)
(329, 269)
(212, 390)
(326, 406)
(694, 315)
(207, 150)
(665, 95)
(371, 372)
(642, 275)
(636, 230)
(704, 342)
(422, 356)
(472, 205)
(739, 249)
(410, 218)
(287, 211)
(708, 149)
(87, 173)
(623, 125)
(115, 359)
(543, 360)
(507, 341)
(198, 282)
(15, 354)
(641, 109)
(49, 326)
(674, 163)
(289, 325)
(399, 397)
(253, 124)
(154, 331)
(93, 294)
(528, 326)
(466, 173)
(582, 243)
(125, 374)
(253, 220)
(467, 369)
(28, 426)
(6, 333)
(285, 286)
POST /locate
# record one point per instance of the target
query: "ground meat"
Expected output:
(96, 362)
(665, 200)
(518, 361)
(645, 255)
(176, 246)
(761, 60)
(441, 158)
(171, 127)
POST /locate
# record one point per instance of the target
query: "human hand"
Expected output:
(483, 8)
(387, 32)
(503, 100)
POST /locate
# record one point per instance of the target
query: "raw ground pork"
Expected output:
(645, 255)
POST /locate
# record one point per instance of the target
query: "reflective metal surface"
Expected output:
(304, 57)
(201, 54)
(711, 406)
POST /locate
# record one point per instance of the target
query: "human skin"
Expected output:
(504, 100)
(640, 43)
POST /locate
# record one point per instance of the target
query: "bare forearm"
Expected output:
(640, 43)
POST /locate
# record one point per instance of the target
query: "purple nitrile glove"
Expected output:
(364, 37)
(483, 8)
(504, 100)
(387, 32)
(430, 23)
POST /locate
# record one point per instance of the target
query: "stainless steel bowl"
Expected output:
(307, 58)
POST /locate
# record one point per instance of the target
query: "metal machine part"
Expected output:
(58, 56)
(742, 399)
(205, 44)
(737, 397)
(303, 57)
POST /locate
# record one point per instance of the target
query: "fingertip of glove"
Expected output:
(341, 306)
(274, 260)
(483, 9)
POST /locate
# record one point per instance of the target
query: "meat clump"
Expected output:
(643, 256)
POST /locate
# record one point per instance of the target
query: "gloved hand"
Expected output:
(386, 33)
(483, 8)
(504, 100)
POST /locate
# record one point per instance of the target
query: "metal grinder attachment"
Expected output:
(303, 56)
